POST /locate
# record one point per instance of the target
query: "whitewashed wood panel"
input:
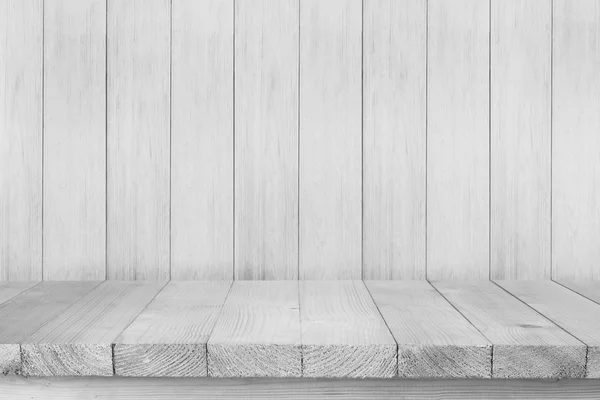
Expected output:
(202, 140)
(21, 52)
(74, 140)
(330, 139)
(394, 71)
(138, 58)
(576, 140)
(266, 139)
(458, 140)
(520, 92)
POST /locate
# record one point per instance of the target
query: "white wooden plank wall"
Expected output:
(299, 139)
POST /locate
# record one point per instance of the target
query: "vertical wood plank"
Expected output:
(458, 140)
(202, 140)
(266, 139)
(138, 139)
(521, 45)
(74, 140)
(394, 139)
(576, 140)
(21, 52)
(330, 139)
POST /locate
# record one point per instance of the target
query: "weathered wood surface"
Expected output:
(526, 344)
(138, 139)
(343, 333)
(569, 310)
(74, 140)
(79, 341)
(21, 70)
(168, 339)
(458, 139)
(202, 140)
(266, 139)
(330, 139)
(27, 312)
(520, 94)
(575, 140)
(589, 289)
(258, 332)
(8, 290)
(116, 388)
(434, 340)
(394, 119)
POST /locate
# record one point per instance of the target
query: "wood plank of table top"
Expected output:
(572, 312)
(30, 310)
(343, 333)
(526, 345)
(8, 290)
(79, 341)
(168, 339)
(589, 289)
(434, 340)
(258, 332)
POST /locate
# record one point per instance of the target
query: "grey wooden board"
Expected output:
(258, 332)
(27, 312)
(266, 139)
(118, 388)
(394, 140)
(575, 140)
(74, 140)
(589, 289)
(8, 290)
(526, 345)
(330, 139)
(343, 333)
(202, 140)
(168, 339)
(21, 58)
(138, 139)
(434, 340)
(520, 94)
(569, 310)
(79, 341)
(458, 139)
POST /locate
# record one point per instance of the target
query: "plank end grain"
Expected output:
(349, 361)
(66, 359)
(10, 359)
(439, 361)
(178, 360)
(254, 360)
(593, 363)
(539, 361)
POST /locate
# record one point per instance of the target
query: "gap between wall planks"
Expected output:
(140, 206)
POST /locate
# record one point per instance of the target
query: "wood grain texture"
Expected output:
(202, 140)
(117, 388)
(343, 333)
(74, 140)
(79, 341)
(138, 46)
(589, 289)
(21, 50)
(330, 139)
(572, 312)
(526, 345)
(258, 332)
(576, 142)
(458, 140)
(8, 290)
(394, 106)
(266, 139)
(168, 339)
(434, 340)
(520, 94)
(31, 310)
